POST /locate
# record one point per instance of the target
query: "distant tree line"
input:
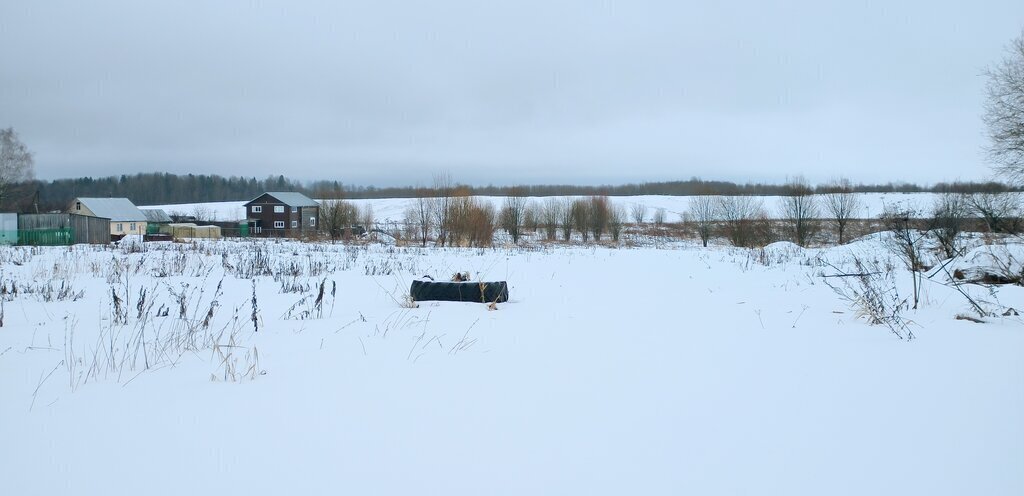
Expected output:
(162, 188)
(149, 189)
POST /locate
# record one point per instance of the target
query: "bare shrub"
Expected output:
(471, 222)
(740, 216)
(905, 241)
(1000, 211)
(659, 217)
(949, 214)
(703, 210)
(600, 212)
(871, 290)
(637, 211)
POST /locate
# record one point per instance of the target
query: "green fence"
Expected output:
(47, 237)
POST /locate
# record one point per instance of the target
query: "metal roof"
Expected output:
(290, 198)
(156, 215)
(115, 209)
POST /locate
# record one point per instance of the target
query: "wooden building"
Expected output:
(282, 214)
(125, 217)
(62, 229)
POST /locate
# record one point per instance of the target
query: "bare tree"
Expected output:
(637, 211)
(531, 217)
(16, 163)
(800, 211)
(659, 217)
(337, 218)
(420, 215)
(841, 204)
(703, 210)
(513, 213)
(581, 217)
(1000, 211)
(202, 213)
(441, 206)
(1004, 112)
(600, 209)
(567, 218)
(616, 217)
(368, 220)
(550, 217)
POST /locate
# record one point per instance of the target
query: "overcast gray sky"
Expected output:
(390, 92)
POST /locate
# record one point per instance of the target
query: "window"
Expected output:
(131, 227)
(120, 227)
(278, 209)
(78, 205)
(278, 224)
(295, 209)
(256, 209)
(312, 222)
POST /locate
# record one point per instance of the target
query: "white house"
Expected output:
(125, 217)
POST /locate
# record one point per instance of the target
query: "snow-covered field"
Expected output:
(871, 205)
(684, 370)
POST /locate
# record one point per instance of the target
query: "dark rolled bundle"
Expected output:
(471, 291)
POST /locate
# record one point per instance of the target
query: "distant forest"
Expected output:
(160, 188)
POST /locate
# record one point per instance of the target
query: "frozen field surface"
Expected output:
(610, 371)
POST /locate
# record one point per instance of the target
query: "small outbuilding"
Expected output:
(190, 230)
(155, 215)
(62, 229)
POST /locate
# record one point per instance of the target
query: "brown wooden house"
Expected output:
(282, 214)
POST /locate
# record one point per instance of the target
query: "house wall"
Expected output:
(266, 218)
(307, 213)
(78, 208)
(124, 227)
(117, 227)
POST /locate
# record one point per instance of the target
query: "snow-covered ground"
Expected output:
(687, 370)
(871, 205)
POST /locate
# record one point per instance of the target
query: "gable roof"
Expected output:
(290, 198)
(115, 209)
(156, 215)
